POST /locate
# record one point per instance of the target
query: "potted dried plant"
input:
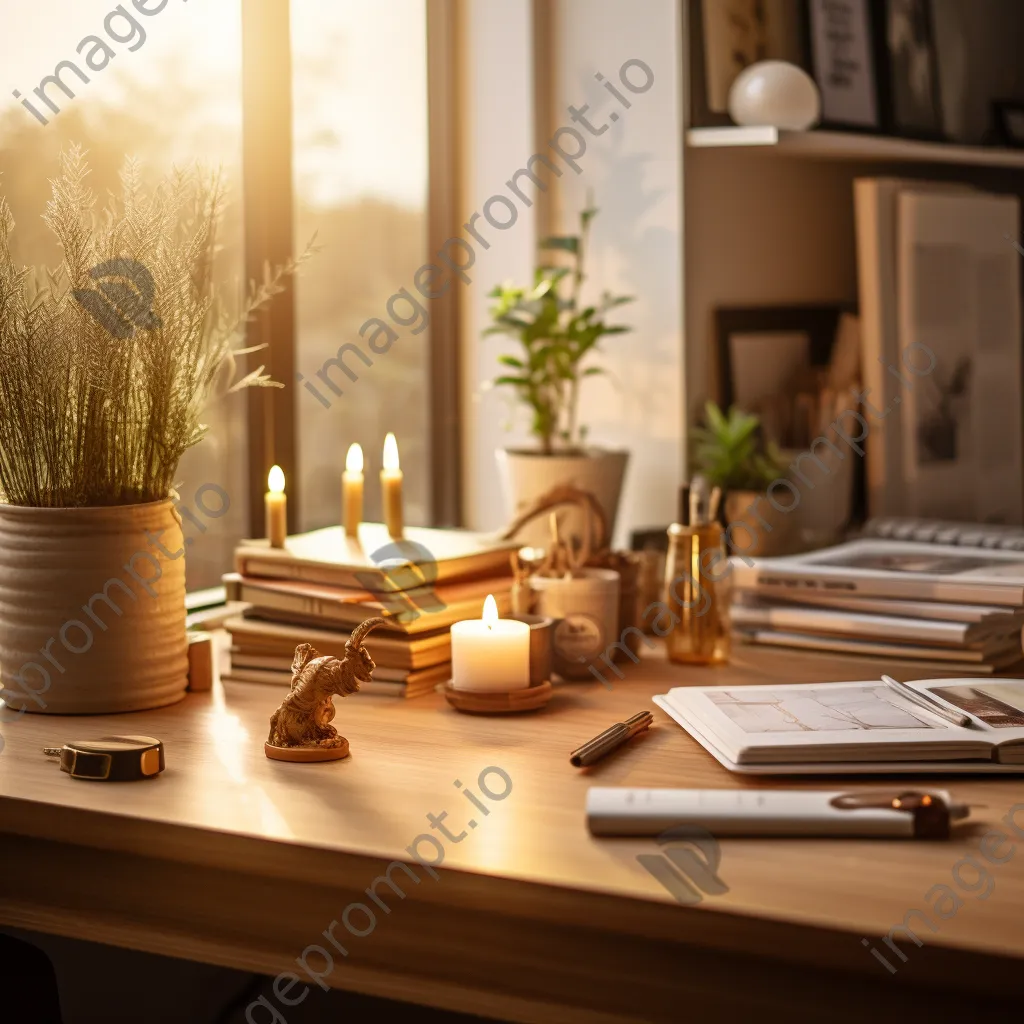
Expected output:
(559, 336)
(107, 362)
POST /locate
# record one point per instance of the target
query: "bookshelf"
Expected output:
(838, 145)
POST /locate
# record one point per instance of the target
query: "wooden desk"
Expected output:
(237, 860)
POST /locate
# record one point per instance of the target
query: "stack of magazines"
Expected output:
(321, 585)
(941, 606)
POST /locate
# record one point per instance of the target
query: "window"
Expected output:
(360, 181)
(168, 90)
(172, 81)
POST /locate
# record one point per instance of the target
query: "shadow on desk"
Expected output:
(118, 986)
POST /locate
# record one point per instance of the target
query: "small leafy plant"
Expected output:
(557, 335)
(730, 452)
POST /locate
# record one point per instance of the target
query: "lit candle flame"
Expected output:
(275, 480)
(490, 611)
(354, 459)
(390, 454)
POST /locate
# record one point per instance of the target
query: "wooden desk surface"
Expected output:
(235, 859)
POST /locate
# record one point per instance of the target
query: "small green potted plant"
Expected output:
(559, 337)
(730, 451)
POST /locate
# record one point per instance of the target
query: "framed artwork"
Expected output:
(763, 351)
(911, 72)
(1008, 116)
(846, 47)
(727, 36)
(774, 362)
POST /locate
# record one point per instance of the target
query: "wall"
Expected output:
(634, 170)
(498, 138)
(761, 230)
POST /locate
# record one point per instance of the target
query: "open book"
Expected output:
(860, 727)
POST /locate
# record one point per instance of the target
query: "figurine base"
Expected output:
(499, 702)
(305, 754)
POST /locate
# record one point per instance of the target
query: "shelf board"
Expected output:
(826, 145)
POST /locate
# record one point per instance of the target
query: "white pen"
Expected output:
(928, 702)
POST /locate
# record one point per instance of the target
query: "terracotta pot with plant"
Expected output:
(107, 362)
(729, 450)
(559, 336)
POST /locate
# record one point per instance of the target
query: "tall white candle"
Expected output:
(391, 487)
(352, 491)
(276, 505)
(490, 653)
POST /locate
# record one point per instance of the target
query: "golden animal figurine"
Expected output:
(300, 729)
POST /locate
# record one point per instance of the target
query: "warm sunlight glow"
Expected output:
(275, 480)
(354, 459)
(390, 454)
(490, 611)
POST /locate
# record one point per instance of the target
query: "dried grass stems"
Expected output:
(91, 416)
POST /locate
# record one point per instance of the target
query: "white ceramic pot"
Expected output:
(92, 611)
(526, 475)
(775, 93)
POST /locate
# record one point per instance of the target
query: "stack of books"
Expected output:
(321, 585)
(941, 606)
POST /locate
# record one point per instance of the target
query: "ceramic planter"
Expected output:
(526, 475)
(761, 530)
(92, 608)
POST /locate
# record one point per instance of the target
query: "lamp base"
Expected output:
(499, 702)
(306, 754)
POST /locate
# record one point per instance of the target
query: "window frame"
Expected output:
(268, 226)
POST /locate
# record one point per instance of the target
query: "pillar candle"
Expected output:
(352, 490)
(490, 653)
(391, 487)
(276, 503)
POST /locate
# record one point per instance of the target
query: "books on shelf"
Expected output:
(855, 727)
(928, 603)
(322, 584)
(940, 302)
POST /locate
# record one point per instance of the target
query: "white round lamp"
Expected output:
(777, 94)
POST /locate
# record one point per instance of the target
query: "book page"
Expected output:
(854, 721)
(960, 320)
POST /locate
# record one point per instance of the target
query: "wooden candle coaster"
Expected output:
(306, 754)
(499, 702)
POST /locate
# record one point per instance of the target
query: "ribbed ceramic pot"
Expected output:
(92, 608)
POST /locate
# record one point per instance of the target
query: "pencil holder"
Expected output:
(697, 595)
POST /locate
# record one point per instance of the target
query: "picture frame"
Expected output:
(759, 345)
(725, 36)
(910, 73)
(846, 55)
